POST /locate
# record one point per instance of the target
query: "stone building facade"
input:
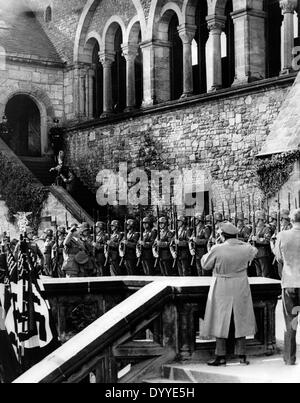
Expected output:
(205, 79)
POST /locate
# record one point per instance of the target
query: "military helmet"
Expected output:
(181, 218)
(285, 214)
(84, 227)
(240, 216)
(146, 220)
(61, 229)
(49, 232)
(114, 223)
(218, 217)
(100, 224)
(260, 215)
(130, 222)
(163, 220)
(199, 217)
(274, 215)
(208, 218)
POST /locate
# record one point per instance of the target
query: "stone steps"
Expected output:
(261, 370)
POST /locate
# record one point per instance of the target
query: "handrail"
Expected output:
(69, 358)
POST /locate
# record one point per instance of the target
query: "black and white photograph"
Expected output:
(149, 194)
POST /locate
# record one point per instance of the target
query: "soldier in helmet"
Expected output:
(199, 241)
(48, 246)
(208, 224)
(89, 268)
(99, 245)
(130, 244)
(113, 249)
(244, 231)
(182, 243)
(273, 221)
(286, 221)
(58, 251)
(36, 253)
(261, 240)
(146, 244)
(74, 259)
(161, 248)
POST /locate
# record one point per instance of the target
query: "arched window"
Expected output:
(48, 14)
(119, 74)
(228, 54)
(273, 37)
(139, 75)
(199, 50)
(176, 59)
(97, 83)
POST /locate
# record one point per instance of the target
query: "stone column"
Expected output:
(250, 45)
(187, 34)
(90, 98)
(288, 7)
(130, 52)
(149, 96)
(107, 60)
(216, 24)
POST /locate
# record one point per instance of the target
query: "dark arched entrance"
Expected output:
(25, 121)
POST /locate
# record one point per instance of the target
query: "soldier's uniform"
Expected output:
(200, 240)
(273, 222)
(113, 249)
(244, 231)
(218, 218)
(58, 252)
(262, 239)
(99, 245)
(184, 256)
(147, 258)
(35, 252)
(163, 248)
(48, 246)
(90, 268)
(130, 244)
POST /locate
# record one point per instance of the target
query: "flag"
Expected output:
(37, 332)
(28, 318)
(9, 363)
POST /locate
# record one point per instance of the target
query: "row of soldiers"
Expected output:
(165, 247)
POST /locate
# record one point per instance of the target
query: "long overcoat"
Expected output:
(230, 290)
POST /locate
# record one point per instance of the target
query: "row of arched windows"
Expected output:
(128, 81)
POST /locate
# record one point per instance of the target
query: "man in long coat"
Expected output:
(229, 304)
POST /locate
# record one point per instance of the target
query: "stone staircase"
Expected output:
(261, 370)
(40, 168)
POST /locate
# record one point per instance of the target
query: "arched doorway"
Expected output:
(25, 121)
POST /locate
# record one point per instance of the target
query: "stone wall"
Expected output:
(221, 135)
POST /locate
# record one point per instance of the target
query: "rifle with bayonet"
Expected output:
(122, 248)
(156, 248)
(139, 247)
(193, 244)
(55, 264)
(175, 257)
(106, 248)
(278, 215)
(235, 210)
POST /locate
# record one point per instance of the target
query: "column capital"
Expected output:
(216, 23)
(106, 58)
(130, 51)
(288, 6)
(187, 32)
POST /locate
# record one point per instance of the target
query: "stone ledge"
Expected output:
(256, 86)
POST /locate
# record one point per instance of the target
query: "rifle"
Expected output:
(176, 239)
(223, 210)
(289, 201)
(235, 211)
(67, 224)
(55, 270)
(253, 218)
(158, 239)
(229, 211)
(122, 244)
(106, 264)
(140, 247)
(249, 209)
(193, 247)
(278, 215)
(213, 220)
(296, 206)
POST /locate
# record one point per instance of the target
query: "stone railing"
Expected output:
(145, 323)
